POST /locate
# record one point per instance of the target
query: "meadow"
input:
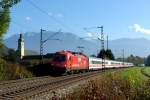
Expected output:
(128, 84)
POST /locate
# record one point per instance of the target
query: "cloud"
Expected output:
(59, 15)
(90, 34)
(138, 28)
(28, 18)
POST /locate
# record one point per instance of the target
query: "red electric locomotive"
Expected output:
(67, 61)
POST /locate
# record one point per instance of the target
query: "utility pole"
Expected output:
(107, 42)
(41, 45)
(43, 41)
(102, 47)
(102, 44)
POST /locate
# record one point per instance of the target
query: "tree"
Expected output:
(109, 54)
(11, 55)
(136, 60)
(101, 54)
(8, 3)
(93, 55)
(148, 61)
(5, 16)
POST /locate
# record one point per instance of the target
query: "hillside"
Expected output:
(69, 41)
(5, 50)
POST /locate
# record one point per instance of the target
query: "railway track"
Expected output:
(34, 87)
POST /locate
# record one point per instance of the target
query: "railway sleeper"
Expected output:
(40, 89)
(37, 93)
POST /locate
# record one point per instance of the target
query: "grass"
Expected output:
(134, 75)
(129, 84)
(146, 70)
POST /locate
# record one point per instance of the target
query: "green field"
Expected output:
(134, 74)
(146, 71)
(127, 84)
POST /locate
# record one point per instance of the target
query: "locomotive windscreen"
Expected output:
(59, 57)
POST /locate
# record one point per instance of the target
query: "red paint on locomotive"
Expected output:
(67, 60)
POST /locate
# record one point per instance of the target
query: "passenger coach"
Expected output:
(67, 61)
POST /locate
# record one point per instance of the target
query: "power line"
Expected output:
(20, 25)
(44, 12)
(50, 37)
(43, 41)
(102, 42)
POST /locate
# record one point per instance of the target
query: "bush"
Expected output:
(110, 87)
(13, 71)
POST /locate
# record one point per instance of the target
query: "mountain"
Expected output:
(5, 51)
(69, 41)
(139, 46)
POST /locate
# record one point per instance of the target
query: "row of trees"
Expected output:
(107, 54)
(136, 60)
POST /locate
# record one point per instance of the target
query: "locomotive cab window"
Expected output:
(59, 58)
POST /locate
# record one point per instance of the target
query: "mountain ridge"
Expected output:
(70, 41)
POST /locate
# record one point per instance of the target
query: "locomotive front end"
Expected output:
(59, 63)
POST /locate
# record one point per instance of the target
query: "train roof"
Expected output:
(72, 52)
(109, 60)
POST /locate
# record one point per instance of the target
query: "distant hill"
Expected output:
(4, 50)
(139, 46)
(69, 41)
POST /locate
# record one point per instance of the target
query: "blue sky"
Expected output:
(120, 18)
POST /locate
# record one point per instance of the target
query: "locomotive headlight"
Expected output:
(65, 65)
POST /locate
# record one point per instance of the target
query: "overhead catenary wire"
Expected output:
(46, 13)
(21, 25)
(51, 36)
